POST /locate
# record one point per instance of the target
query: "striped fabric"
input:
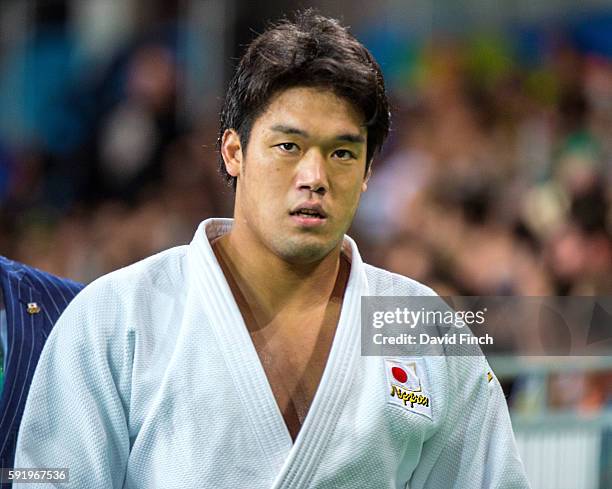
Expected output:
(33, 301)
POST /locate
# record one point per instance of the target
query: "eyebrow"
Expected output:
(349, 138)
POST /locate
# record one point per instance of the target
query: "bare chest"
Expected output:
(294, 353)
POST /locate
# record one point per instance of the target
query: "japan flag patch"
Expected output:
(406, 387)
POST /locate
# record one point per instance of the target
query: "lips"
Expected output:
(309, 210)
(309, 215)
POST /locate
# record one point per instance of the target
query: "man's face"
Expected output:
(301, 178)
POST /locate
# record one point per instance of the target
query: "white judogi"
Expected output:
(150, 380)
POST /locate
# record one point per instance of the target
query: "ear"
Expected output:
(231, 151)
(366, 179)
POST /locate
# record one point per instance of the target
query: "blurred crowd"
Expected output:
(496, 179)
(99, 167)
(499, 180)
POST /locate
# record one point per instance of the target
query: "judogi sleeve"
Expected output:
(475, 446)
(77, 410)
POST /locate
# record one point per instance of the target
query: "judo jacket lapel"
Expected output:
(335, 383)
(293, 463)
(237, 348)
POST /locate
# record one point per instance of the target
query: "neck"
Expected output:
(271, 285)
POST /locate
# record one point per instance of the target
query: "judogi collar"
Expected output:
(293, 462)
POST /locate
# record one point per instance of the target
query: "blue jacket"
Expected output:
(33, 301)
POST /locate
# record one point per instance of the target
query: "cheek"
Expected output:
(353, 193)
(266, 187)
(267, 170)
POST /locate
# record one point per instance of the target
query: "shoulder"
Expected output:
(137, 290)
(384, 283)
(159, 273)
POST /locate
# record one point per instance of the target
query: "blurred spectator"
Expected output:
(134, 134)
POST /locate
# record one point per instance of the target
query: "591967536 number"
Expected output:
(18, 475)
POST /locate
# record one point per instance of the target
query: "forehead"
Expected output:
(318, 111)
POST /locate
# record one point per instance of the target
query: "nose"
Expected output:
(311, 173)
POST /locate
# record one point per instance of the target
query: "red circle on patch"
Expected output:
(399, 374)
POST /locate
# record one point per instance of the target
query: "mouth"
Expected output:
(308, 215)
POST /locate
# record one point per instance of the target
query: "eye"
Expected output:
(344, 154)
(287, 147)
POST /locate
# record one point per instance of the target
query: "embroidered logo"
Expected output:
(33, 308)
(406, 388)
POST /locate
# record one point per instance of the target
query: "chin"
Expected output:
(303, 252)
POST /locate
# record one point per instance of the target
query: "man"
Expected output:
(235, 361)
(30, 303)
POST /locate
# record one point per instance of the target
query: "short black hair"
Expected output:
(311, 51)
